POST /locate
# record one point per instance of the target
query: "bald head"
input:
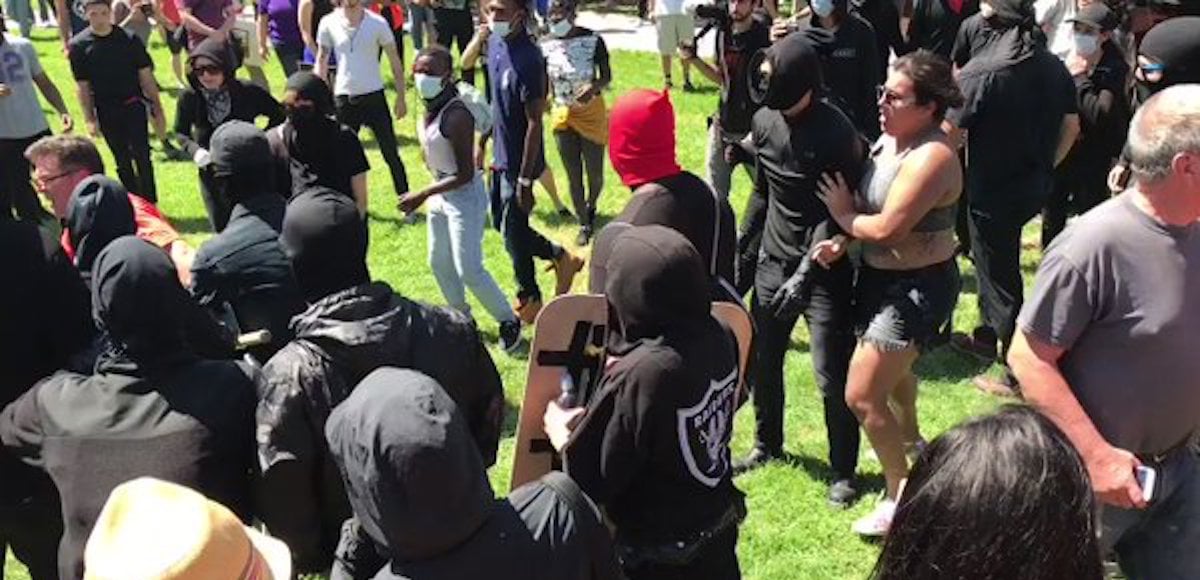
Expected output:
(1164, 137)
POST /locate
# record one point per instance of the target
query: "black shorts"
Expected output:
(898, 309)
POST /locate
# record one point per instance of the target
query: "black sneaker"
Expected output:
(841, 493)
(757, 458)
(688, 87)
(977, 344)
(584, 237)
(510, 335)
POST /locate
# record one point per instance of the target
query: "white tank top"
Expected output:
(439, 151)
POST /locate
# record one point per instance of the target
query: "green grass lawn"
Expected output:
(790, 533)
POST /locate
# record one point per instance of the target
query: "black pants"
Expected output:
(32, 530)
(455, 26)
(830, 327)
(124, 128)
(1077, 189)
(749, 240)
(16, 190)
(579, 155)
(996, 250)
(522, 241)
(289, 58)
(372, 110)
(718, 561)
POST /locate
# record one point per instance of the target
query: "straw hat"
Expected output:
(154, 530)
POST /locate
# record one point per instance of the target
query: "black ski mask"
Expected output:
(1175, 45)
(783, 74)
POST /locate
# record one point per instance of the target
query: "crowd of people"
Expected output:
(162, 405)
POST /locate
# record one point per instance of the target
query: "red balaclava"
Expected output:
(641, 137)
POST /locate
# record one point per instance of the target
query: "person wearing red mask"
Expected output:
(642, 150)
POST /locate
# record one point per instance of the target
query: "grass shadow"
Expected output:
(512, 418)
(946, 364)
(192, 224)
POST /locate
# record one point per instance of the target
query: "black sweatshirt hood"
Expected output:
(242, 160)
(214, 50)
(413, 475)
(98, 213)
(788, 70)
(326, 240)
(1174, 43)
(138, 301)
(311, 87)
(656, 285)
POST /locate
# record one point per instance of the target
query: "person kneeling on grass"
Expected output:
(352, 326)
(996, 498)
(457, 201)
(653, 445)
(422, 500)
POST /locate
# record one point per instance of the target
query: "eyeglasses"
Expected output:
(44, 181)
(886, 96)
(206, 69)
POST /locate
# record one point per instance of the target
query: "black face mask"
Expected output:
(302, 117)
(1142, 91)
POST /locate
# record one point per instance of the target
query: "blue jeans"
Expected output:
(419, 18)
(22, 12)
(1160, 541)
(456, 223)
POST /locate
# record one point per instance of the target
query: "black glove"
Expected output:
(792, 297)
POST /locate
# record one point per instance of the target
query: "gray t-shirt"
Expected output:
(21, 115)
(1121, 293)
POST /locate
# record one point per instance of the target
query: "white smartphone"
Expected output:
(1147, 478)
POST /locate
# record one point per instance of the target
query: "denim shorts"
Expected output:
(898, 309)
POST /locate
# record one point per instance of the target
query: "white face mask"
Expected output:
(822, 8)
(560, 28)
(986, 10)
(1086, 43)
(500, 28)
(428, 86)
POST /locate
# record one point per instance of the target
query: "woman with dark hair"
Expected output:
(998, 497)
(904, 215)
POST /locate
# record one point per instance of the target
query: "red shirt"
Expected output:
(152, 226)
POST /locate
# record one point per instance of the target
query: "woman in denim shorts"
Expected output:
(904, 214)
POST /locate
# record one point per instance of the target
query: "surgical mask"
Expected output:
(986, 10)
(822, 8)
(1086, 43)
(428, 86)
(500, 28)
(560, 28)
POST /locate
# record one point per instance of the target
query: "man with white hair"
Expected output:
(1106, 346)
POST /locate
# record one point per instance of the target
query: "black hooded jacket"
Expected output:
(421, 495)
(244, 267)
(247, 102)
(152, 408)
(653, 449)
(44, 320)
(338, 341)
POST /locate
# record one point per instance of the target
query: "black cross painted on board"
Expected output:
(583, 360)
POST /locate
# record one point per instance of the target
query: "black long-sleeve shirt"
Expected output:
(934, 25)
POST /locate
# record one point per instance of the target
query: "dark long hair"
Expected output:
(1001, 497)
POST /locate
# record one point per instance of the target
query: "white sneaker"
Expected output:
(876, 523)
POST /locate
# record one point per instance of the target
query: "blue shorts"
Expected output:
(898, 309)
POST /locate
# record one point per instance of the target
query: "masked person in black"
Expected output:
(652, 447)
(742, 33)
(1016, 92)
(1101, 74)
(351, 327)
(798, 137)
(642, 150)
(424, 509)
(974, 33)
(312, 148)
(934, 24)
(152, 407)
(884, 18)
(849, 60)
(243, 271)
(216, 97)
(44, 320)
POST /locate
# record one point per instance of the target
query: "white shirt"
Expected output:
(356, 49)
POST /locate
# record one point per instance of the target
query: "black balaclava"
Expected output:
(1175, 44)
(98, 213)
(793, 70)
(138, 300)
(241, 160)
(314, 130)
(656, 287)
(218, 103)
(326, 241)
(412, 472)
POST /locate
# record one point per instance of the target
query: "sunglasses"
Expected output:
(206, 69)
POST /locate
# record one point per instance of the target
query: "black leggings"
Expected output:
(124, 128)
(579, 154)
(455, 26)
(16, 191)
(372, 110)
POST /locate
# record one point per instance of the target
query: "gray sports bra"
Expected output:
(877, 180)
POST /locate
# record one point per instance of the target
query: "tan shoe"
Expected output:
(565, 268)
(527, 310)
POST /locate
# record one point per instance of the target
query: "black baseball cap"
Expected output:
(1096, 15)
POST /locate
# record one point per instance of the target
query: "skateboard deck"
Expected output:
(738, 320)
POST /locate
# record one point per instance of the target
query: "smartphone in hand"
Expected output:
(1147, 478)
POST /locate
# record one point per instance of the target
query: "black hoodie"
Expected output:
(152, 408)
(312, 148)
(653, 449)
(194, 124)
(421, 495)
(339, 340)
(98, 213)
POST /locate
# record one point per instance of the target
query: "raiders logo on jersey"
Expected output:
(705, 429)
